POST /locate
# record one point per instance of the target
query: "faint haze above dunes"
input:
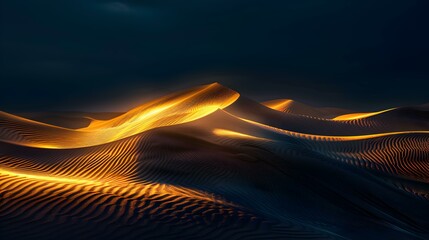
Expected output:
(359, 54)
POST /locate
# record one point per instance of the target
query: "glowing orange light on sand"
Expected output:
(229, 133)
(328, 137)
(48, 178)
(280, 104)
(354, 116)
(170, 110)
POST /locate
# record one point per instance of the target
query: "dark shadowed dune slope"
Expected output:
(209, 164)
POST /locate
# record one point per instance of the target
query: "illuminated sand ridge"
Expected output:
(208, 163)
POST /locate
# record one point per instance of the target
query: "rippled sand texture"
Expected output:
(208, 163)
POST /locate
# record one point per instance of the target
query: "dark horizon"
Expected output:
(83, 55)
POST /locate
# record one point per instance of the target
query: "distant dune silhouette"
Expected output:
(208, 163)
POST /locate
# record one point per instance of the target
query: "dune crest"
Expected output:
(354, 116)
(170, 110)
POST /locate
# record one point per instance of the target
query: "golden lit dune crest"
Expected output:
(193, 104)
(336, 114)
(282, 105)
(234, 134)
(170, 110)
(354, 116)
(317, 137)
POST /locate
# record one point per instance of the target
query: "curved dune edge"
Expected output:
(170, 110)
(355, 116)
(327, 137)
(291, 106)
(234, 134)
(278, 104)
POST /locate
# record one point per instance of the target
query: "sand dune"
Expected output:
(173, 109)
(208, 163)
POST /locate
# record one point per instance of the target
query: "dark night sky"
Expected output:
(77, 54)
